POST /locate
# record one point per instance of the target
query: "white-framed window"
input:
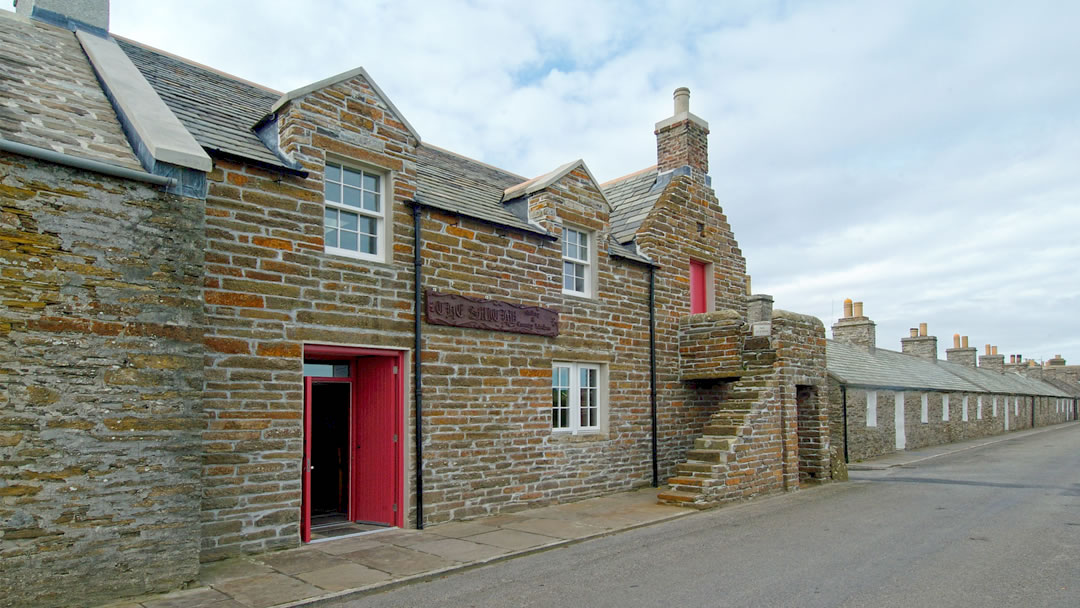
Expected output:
(1016, 406)
(871, 408)
(577, 255)
(924, 413)
(964, 410)
(354, 215)
(577, 397)
(945, 408)
(978, 407)
(993, 404)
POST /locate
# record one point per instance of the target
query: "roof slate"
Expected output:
(887, 368)
(454, 183)
(890, 369)
(51, 97)
(219, 111)
(632, 198)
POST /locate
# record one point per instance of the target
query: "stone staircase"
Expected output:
(698, 480)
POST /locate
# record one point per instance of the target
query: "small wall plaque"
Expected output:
(481, 313)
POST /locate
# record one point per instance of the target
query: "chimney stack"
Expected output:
(91, 15)
(961, 353)
(992, 361)
(919, 344)
(854, 328)
(683, 140)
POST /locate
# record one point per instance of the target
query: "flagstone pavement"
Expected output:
(372, 562)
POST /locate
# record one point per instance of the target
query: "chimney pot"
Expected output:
(956, 340)
(856, 309)
(847, 308)
(682, 100)
(988, 349)
(914, 332)
(964, 342)
(994, 349)
(922, 329)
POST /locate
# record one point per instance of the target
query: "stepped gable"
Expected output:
(48, 79)
(220, 111)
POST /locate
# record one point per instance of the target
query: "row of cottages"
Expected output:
(882, 401)
(235, 320)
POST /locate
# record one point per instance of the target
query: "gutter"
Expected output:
(87, 164)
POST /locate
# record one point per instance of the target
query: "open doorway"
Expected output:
(353, 421)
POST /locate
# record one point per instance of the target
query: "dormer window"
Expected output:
(354, 215)
(577, 262)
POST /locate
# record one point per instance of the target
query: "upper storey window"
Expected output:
(577, 262)
(354, 217)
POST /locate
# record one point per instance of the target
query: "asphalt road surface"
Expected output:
(994, 526)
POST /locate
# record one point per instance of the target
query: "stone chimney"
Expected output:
(962, 353)
(69, 14)
(854, 328)
(683, 140)
(920, 344)
(1056, 361)
(992, 361)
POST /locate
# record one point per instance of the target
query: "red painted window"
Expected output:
(698, 288)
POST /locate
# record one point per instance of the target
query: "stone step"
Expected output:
(730, 430)
(713, 442)
(676, 496)
(694, 483)
(716, 456)
(687, 469)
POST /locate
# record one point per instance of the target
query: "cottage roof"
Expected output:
(220, 111)
(632, 197)
(890, 369)
(462, 185)
(1071, 389)
(52, 99)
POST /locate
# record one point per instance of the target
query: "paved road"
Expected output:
(994, 526)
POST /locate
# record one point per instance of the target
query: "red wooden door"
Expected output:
(698, 288)
(305, 468)
(375, 464)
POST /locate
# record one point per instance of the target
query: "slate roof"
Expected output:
(890, 369)
(458, 184)
(632, 198)
(1070, 388)
(220, 111)
(51, 97)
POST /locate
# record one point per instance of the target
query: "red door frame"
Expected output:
(318, 351)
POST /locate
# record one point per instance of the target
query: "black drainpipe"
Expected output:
(417, 374)
(652, 372)
(843, 406)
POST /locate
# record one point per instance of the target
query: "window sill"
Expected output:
(579, 295)
(580, 437)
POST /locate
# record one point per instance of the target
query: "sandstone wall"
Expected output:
(100, 382)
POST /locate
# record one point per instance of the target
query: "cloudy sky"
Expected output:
(923, 157)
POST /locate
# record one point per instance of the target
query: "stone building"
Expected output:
(235, 320)
(881, 401)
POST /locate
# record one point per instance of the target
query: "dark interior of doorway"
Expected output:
(330, 404)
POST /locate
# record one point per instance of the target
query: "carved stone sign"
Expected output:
(480, 313)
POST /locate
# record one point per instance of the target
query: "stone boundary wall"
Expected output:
(100, 388)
